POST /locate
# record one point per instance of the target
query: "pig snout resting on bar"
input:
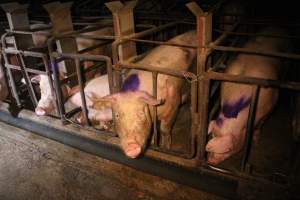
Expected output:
(229, 129)
(46, 103)
(133, 116)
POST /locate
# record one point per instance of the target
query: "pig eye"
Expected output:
(141, 114)
(117, 115)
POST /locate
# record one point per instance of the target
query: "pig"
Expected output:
(46, 103)
(99, 114)
(228, 130)
(132, 115)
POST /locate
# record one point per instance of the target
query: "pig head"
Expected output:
(133, 121)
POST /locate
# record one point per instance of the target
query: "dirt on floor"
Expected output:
(33, 167)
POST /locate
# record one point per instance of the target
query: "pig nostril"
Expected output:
(40, 111)
(133, 150)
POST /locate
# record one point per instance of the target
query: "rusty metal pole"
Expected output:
(17, 17)
(60, 15)
(123, 22)
(204, 36)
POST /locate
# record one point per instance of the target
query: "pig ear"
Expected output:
(100, 102)
(211, 126)
(150, 100)
(35, 79)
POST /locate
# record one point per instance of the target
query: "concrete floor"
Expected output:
(33, 167)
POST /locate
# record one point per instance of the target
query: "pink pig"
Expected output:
(133, 116)
(99, 87)
(46, 103)
(229, 129)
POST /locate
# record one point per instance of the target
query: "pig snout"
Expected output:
(133, 150)
(40, 111)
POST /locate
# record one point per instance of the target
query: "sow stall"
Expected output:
(186, 161)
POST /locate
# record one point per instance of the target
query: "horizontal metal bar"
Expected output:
(251, 80)
(34, 71)
(256, 34)
(25, 53)
(251, 51)
(151, 68)
(205, 181)
(163, 43)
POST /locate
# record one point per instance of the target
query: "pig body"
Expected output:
(99, 87)
(46, 103)
(133, 118)
(229, 129)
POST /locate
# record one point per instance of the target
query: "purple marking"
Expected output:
(131, 83)
(52, 66)
(219, 121)
(231, 110)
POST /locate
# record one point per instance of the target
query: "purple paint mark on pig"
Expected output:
(132, 83)
(219, 121)
(231, 110)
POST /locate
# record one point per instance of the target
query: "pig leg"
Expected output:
(169, 117)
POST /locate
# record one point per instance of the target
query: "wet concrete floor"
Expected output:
(33, 167)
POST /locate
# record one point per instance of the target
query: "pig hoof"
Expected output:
(133, 150)
(40, 111)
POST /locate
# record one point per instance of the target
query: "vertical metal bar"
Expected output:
(57, 86)
(204, 32)
(155, 136)
(81, 87)
(110, 75)
(27, 80)
(11, 79)
(194, 116)
(117, 74)
(47, 69)
(250, 126)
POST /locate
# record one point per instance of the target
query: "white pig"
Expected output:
(229, 129)
(97, 87)
(133, 117)
(46, 103)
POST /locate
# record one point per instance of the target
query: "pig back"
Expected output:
(257, 66)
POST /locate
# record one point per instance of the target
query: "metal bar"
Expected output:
(152, 68)
(93, 47)
(11, 78)
(250, 127)
(221, 38)
(155, 135)
(81, 87)
(57, 84)
(50, 80)
(34, 71)
(251, 80)
(251, 51)
(255, 34)
(150, 31)
(27, 81)
(163, 43)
